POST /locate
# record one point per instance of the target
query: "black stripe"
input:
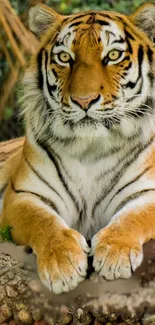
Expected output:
(132, 198)
(45, 200)
(79, 16)
(54, 72)
(52, 41)
(137, 93)
(129, 46)
(140, 59)
(129, 183)
(42, 198)
(107, 16)
(120, 40)
(51, 154)
(131, 85)
(43, 179)
(76, 24)
(102, 22)
(128, 67)
(51, 88)
(150, 55)
(126, 58)
(59, 43)
(111, 33)
(39, 64)
(129, 35)
(151, 78)
(135, 153)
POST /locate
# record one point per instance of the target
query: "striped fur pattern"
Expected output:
(86, 169)
(8, 153)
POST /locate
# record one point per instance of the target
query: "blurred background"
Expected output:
(17, 44)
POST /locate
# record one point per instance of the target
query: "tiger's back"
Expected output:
(10, 154)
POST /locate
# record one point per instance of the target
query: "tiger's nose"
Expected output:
(85, 102)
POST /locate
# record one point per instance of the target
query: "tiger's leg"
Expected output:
(61, 251)
(117, 248)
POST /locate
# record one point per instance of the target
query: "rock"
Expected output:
(2, 293)
(19, 306)
(24, 316)
(5, 313)
(11, 292)
(82, 317)
(34, 285)
(66, 319)
(97, 322)
(37, 315)
(49, 319)
(149, 320)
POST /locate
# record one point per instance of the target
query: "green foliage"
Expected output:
(69, 6)
(5, 234)
(124, 6)
(7, 113)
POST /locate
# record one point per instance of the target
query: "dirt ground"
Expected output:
(94, 302)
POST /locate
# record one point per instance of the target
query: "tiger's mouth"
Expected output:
(93, 122)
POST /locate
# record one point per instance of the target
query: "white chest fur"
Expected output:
(89, 184)
(96, 182)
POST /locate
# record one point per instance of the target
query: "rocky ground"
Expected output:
(23, 300)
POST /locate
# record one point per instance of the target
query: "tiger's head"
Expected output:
(94, 74)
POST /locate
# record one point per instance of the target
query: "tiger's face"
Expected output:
(95, 72)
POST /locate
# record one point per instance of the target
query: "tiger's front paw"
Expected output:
(62, 263)
(116, 254)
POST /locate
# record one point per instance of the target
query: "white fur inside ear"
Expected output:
(40, 19)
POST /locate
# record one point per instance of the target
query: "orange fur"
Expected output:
(28, 208)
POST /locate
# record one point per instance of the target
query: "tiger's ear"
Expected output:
(144, 19)
(40, 18)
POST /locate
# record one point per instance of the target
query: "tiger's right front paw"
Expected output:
(62, 263)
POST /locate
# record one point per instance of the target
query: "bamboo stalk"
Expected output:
(7, 89)
(28, 36)
(6, 4)
(17, 30)
(14, 45)
(6, 52)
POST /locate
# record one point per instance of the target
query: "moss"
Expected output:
(5, 234)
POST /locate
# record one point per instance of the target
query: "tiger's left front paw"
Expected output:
(116, 254)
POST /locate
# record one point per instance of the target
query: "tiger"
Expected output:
(81, 182)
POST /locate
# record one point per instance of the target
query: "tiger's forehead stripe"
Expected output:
(67, 34)
(104, 19)
(107, 29)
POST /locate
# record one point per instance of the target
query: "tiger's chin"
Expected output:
(84, 128)
(93, 128)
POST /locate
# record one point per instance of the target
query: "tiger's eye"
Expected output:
(64, 57)
(114, 55)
